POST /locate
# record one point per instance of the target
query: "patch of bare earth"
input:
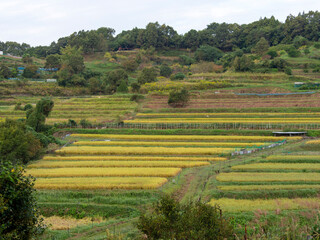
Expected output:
(179, 194)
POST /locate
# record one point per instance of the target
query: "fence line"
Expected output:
(251, 126)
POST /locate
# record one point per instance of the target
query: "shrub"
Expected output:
(135, 87)
(299, 41)
(278, 63)
(178, 98)
(293, 52)
(317, 45)
(306, 51)
(147, 75)
(136, 97)
(272, 53)
(96, 85)
(27, 107)
(185, 60)
(114, 78)
(16, 143)
(172, 220)
(19, 217)
(72, 123)
(165, 70)
(85, 123)
(242, 64)
(179, 76)
(30, 72)
(208, 53)
(122, 88)
(130, 65)
(288, 71)
(18, 106)
(205, 67)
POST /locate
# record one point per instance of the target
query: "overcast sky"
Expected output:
(39, 22)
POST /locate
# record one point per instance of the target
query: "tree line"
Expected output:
(224, 36)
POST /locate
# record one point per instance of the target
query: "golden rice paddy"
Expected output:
(268, 177)
(86, 150)
(130, 158)
(184, 137)
(79, 183)
(104, 172)
(278, 166)
(105, 164)
(244, 205)
(169, 144)
(268, 187)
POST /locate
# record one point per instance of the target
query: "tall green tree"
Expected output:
(147, 75)
(36, 117)
(208, 53)
(17, 144)
(53, 61)
(114, 78)
(261, 47)
(72, 58)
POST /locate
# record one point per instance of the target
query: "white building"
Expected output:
(51, 80)
(1, 52)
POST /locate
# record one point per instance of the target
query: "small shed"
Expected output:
(51, 80)
(298, 84)
(289, 134)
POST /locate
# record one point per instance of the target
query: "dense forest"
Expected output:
(225, 36)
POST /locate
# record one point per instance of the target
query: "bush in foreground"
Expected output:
(19, 217)
(172, 220)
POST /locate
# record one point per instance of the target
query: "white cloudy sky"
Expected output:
(39, 22)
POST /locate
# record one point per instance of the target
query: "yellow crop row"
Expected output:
(170, 144)
(278, 166)
(64, 164)
(61, 120)
(100, 183)
(267, 187)
(103, 172)
(130, 158)
(268, 177)
(225, 120)
(244, 205)
(294, 157)
(228, 114)
(314, 142)
(185, 137)
(85, 150)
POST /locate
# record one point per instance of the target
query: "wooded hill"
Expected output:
(225, 36)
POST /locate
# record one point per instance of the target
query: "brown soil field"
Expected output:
(234, 101)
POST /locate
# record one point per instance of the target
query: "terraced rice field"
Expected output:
(278, 166)
(106, 156)
(227, 111)
(215, 138)
(268, 177)
(90, 163)
(245, 205)
(293, 158)
(235, 119)
(95, 109)
(234, 101)
(313, 142)
(284, 173)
